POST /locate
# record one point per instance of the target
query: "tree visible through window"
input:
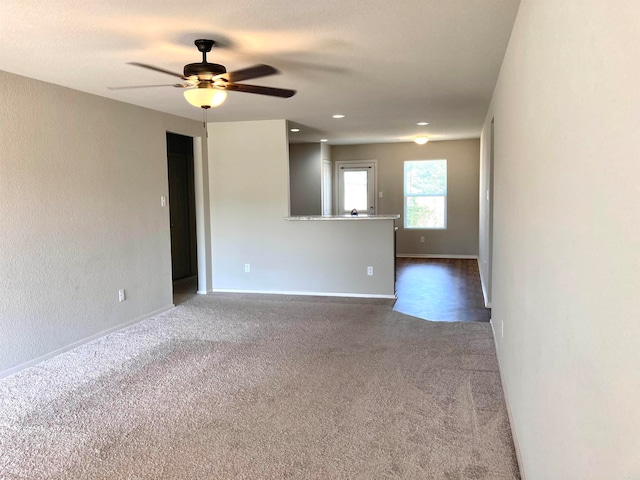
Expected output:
(425, 194)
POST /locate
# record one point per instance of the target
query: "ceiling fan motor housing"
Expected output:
(203, 69)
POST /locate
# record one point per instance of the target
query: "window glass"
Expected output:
(425, 194)
(355, 190)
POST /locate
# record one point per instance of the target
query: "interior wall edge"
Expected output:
(485, 296)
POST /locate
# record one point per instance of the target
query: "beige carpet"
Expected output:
(264, 387)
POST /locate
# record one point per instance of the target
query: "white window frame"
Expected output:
(405, 195)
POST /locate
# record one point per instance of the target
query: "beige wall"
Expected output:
(249, 203)
(463, 161)
(566, 272)
(305, 178)
(80, 184)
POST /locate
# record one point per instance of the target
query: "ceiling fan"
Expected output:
(206, 84)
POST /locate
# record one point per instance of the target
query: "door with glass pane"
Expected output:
(356, 187)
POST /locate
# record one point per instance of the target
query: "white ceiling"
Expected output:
(385, 64)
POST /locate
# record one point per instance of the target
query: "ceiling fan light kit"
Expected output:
(205, 95)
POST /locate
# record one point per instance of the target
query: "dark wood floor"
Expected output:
(446, 290)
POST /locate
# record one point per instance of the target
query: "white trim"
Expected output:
(202, 220)
(202, 292)
(307, 294)
(484, 287)
(516, 443)
(435, 255)
(326, 202)
(47, 356)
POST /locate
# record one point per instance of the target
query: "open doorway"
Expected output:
(182, 210)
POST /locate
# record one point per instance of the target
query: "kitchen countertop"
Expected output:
(343, 217)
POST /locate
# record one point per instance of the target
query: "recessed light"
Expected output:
(324, 140)
(423, 123)
(338, 115)
(295, 129)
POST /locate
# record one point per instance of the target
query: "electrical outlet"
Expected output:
(247, 267)
(421, 239)
(380, 194)
(121, 296)
(163, 201)
(369, 270)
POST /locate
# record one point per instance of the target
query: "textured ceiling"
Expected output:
(384, 64)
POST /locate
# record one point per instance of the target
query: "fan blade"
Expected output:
(157, 69)
(177, 85)
(273, 92)
(248, 73)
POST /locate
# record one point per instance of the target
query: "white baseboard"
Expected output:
(47, 356)
(514, 435)
(435, 255)
(306, 294)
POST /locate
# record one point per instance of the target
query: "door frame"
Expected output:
(338, 165)
(203, 219)
(327, 204)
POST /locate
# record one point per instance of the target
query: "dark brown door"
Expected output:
(180, 213)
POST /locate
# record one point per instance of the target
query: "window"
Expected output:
(425, 194)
